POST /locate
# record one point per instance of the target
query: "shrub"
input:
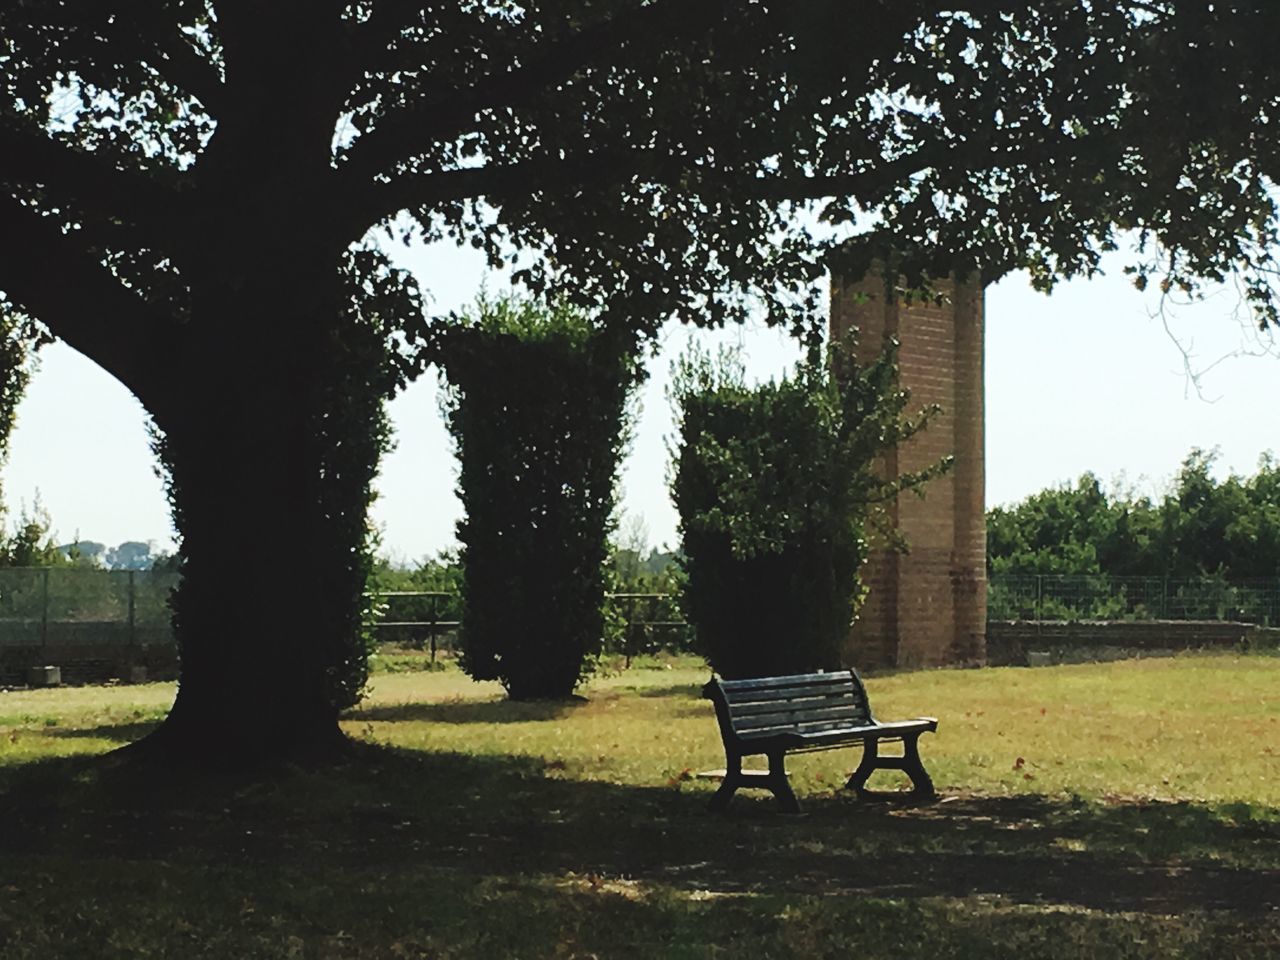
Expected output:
(536, 402)
(773, 485)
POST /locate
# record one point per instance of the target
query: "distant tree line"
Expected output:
(30, 542)
(1201, 527)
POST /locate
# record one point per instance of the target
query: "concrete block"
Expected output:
(1039, 658)
(47, 676)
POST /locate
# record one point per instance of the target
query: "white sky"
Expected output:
(1082, 380)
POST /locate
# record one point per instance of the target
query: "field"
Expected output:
(1129, 809)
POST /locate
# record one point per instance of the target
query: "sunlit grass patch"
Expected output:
(74, 721)
(1193, 727)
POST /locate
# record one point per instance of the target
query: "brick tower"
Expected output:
(927, 607)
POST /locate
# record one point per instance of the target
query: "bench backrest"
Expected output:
(805, 703)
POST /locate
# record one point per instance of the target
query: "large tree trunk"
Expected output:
(270, 460)
(253, 614)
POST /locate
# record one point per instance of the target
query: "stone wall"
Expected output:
(927, 607)
(1010, 642)
(88, 663)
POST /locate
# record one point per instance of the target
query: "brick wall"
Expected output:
(927, 607)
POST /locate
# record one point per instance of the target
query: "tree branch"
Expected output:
(374, 201)
(181, 65)
(67, 289)
(367, 43)
(445, 112)
(31, 158)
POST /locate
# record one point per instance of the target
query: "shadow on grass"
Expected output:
(505, 819)
(690, 691)
(469, 711)
(119, 732)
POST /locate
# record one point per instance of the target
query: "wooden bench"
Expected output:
(774, 716)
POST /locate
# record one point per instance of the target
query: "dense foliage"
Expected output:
(1202, 526)
(773, 485)
(536, 404)
(182, 183)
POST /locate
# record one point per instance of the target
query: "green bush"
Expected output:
(536, 402)
(773, 485)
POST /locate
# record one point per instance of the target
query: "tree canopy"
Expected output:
(187, 190)
(649, 151)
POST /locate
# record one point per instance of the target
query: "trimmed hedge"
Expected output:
(536, 401)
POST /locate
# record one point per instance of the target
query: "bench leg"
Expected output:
(774, 781)
(909, 763)
(870, 762)
(921, 783)
(720, 799)
(728, 786)
(779, 784)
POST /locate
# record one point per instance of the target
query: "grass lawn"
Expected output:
(1129, 809)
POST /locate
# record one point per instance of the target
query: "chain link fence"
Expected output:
(93, 625)
(1064, 598)
(51, 606)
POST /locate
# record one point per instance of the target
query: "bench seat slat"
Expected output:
(882, 731)
(833, 733)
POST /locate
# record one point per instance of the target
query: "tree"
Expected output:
(185, 186)
(130, 555)
(19, 341)
(88, 552)
(776, 486)
(1076, 531)
(30, 544)
(536, 403)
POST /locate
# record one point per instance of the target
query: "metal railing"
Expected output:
(414, 618)
(660, 628)
(635, 623)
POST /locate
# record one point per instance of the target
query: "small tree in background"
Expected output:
(20, 338)
(536, 402)
(773, 485)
